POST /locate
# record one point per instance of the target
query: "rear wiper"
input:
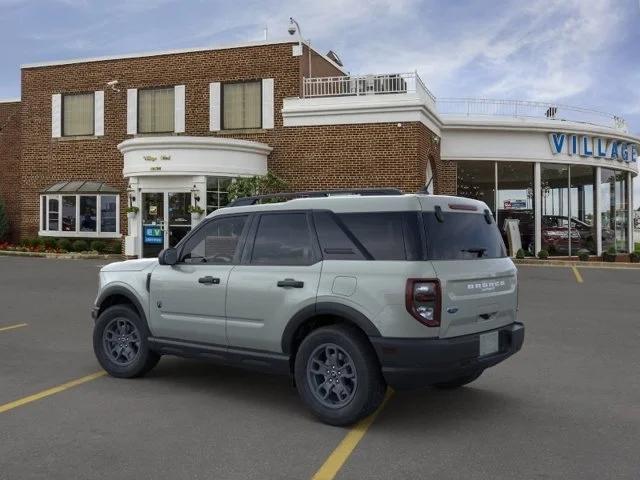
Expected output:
(479, 251)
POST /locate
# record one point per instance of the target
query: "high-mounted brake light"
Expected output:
(422, 299)
(463, 206)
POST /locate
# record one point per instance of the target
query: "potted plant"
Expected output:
(195, 211)
(132, 212)
(610, 254)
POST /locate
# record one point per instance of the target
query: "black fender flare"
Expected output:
(122, 291)
(326, 308)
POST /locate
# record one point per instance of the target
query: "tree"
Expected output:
(4, 222)
(258, 185)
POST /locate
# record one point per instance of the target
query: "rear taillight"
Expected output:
(423, 301)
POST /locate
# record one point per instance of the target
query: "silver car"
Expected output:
(347, 292)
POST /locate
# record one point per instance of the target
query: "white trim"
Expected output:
(56, 115)
(598, 211)
(267, 103)
(10, 100)
(630, 241)
(98, 113)
(47, 233)
(174, 52)
(537, 212)
(179, 108)
(214, 106)
(44, 197)
(132, 111)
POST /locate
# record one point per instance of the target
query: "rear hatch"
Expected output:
(478, 281)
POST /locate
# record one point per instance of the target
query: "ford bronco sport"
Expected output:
(346, 292)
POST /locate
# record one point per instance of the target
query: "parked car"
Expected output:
(345, 293)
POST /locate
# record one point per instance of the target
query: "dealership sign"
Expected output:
(589, 146)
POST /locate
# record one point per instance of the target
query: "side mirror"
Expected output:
(168, 256)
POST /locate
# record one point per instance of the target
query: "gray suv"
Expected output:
(346, 292)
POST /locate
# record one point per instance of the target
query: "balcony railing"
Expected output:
(355, 85)
(472, 107)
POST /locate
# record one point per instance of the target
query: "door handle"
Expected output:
(290, 282)
(208, 280)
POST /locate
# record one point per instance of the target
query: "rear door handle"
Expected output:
(290, 282)
(208, 280)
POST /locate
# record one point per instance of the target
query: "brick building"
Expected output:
(167, 130)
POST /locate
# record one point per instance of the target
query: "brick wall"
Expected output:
(444, 171)
(9, 162)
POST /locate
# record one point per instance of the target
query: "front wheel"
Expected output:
(338, 376)
(120, 343)
(458, 382)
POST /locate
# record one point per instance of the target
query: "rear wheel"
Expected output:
(338, 376)
(120, 343)
(458, 382)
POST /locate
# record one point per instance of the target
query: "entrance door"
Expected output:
(153, 223)
(179, 220)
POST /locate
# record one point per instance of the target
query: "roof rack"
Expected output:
(244, 201)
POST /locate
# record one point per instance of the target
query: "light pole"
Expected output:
(294, 27)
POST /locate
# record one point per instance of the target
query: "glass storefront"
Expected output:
(614, 210)
(568, 204)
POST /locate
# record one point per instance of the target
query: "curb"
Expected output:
(62, 256)
(568, 263)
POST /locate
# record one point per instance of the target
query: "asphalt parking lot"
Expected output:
(567, 406)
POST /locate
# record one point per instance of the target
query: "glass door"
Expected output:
(179, 220)
(153, 223)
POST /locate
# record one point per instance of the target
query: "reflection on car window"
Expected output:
(217, 242)
(282, 239)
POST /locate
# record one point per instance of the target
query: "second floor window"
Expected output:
(77, 114)
(156, 110)
(242, 105)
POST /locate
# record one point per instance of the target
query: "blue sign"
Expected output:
(588, 146)
(153, 235)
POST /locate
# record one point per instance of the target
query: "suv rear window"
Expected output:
(462, 236)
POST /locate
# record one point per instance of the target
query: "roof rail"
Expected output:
(244, 201)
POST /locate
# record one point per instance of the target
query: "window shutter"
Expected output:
(179, 97)
(132, 111)
(98, 113)
(214, 106)
(56, 115)
(267, 103)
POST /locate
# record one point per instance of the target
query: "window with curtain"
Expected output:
(77, 114)
(156, 107)
(242, 105)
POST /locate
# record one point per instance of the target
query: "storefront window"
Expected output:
(555, 209)
(614, 209)
(53, 213)
(477, 180)
(217, 192)
(69, 214)
(88, 214)
(108, 213)
(582, 203)
(515, 203)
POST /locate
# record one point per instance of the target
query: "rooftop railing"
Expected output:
(356, 85)
(473, 107)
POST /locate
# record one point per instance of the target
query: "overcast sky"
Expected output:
(580, 52)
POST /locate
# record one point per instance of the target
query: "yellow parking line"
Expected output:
(51, 391)
(11, 327)
(577, 274)
(340, 455)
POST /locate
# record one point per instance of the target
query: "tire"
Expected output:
(458, 382)
(359, 387)
(134, 358)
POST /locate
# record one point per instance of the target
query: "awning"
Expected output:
(81, 186)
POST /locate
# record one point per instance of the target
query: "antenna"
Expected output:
(266, 33)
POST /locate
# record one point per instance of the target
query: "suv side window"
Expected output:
(334, 238)
(385, 235)
(216, 242)
(282, 239)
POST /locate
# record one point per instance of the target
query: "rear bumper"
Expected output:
(413, 363)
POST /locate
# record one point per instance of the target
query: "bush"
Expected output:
(99, 246)
(543, 254)
(64, 244)
(80, 246)
(49, 243)
(583, 255)
(634, 257)
(115, 247)
(4, 222)
(520, 254)
(610, 254)
(258, 185)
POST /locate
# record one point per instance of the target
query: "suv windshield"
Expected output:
(462, 236)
